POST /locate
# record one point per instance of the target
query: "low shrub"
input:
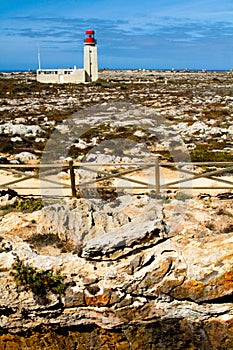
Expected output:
(40, 282)
(27, 205)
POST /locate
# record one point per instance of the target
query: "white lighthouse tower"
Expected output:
(74, 75)
(90, 57)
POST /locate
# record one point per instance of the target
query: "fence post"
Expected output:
(157, 177)
(72, 178)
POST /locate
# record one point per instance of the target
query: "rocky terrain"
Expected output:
(199, 105)
(117, 270)
(86, 275)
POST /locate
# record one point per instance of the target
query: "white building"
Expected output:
(74, 75)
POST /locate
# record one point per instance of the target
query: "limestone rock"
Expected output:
(102, 230)
(138, 280)
(20, 129)
(25, 156)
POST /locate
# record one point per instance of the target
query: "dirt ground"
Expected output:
(37, 187)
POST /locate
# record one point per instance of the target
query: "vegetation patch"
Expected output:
(6, 145)
(40, 282)
(103, 83)
(27, 205)
(204, 153)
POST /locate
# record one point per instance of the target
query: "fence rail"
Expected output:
(108, 171)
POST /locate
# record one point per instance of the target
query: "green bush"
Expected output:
(40, 282)
(27, 205)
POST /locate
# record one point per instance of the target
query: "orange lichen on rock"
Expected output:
(205, 290)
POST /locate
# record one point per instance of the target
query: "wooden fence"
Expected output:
(111, 171)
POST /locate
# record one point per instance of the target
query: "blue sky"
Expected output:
(151, 34)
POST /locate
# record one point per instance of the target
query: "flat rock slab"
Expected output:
(100, 229)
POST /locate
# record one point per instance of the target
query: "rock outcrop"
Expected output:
(153, 274)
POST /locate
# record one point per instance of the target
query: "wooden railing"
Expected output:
(109, 171)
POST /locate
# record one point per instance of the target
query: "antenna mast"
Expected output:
(39, 63)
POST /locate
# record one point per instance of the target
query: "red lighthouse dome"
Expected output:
(90, 37)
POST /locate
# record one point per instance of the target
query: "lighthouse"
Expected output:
(90, 57)
(74, 75)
